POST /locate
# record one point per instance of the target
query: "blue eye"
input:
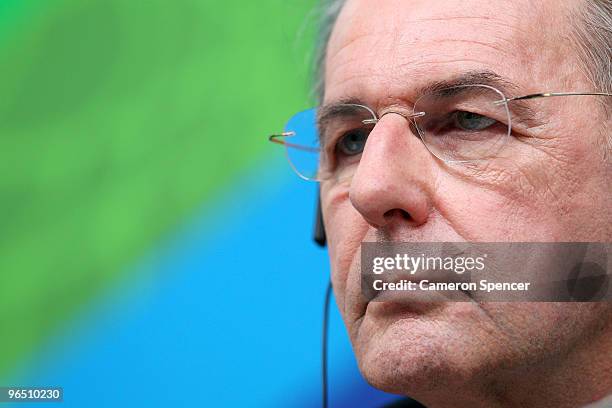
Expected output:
(472, 121)
(353, 142)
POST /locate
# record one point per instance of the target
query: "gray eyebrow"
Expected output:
(332, 110)
(337, 108)
(485, 77)
(520, 110)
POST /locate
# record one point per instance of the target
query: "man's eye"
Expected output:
(472, 121)
(352, 143)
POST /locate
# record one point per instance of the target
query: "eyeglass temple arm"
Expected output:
(551, 94)
(277, 138)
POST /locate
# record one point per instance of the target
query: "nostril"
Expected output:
(397, 212)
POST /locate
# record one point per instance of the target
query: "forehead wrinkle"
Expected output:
(392, 25)
(345, 62)
(463, 24)
(488, 36)
(486, 21)
(493, 46)
(360, 84)
(395, 45)
(353, 40)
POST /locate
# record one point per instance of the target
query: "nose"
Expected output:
(393, 180)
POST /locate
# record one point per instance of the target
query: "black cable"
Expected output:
(324, 348)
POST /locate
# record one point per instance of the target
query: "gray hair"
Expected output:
(593, 39)
(592, 35)
(328, 15)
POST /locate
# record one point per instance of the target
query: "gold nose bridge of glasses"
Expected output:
(406, 116)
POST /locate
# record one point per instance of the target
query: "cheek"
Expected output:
(345, 229)
(551, 328)
(500, 204)
(478, 214)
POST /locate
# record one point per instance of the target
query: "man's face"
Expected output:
(554, 187)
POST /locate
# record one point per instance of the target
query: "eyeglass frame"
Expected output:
(277, 137)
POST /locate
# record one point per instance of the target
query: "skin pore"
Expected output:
(550, 184)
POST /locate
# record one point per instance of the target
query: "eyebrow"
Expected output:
(485, 77)
(337, 108)
(520, 110)
(333, 110)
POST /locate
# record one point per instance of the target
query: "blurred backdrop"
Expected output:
(155, 249)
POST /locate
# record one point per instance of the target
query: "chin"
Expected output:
(405, 360)
(423, 353)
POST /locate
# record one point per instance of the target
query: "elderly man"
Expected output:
(436, 125)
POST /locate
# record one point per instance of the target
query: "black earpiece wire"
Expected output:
(320, 238)
(328, 293)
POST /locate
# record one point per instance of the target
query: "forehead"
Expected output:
(388, 49)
